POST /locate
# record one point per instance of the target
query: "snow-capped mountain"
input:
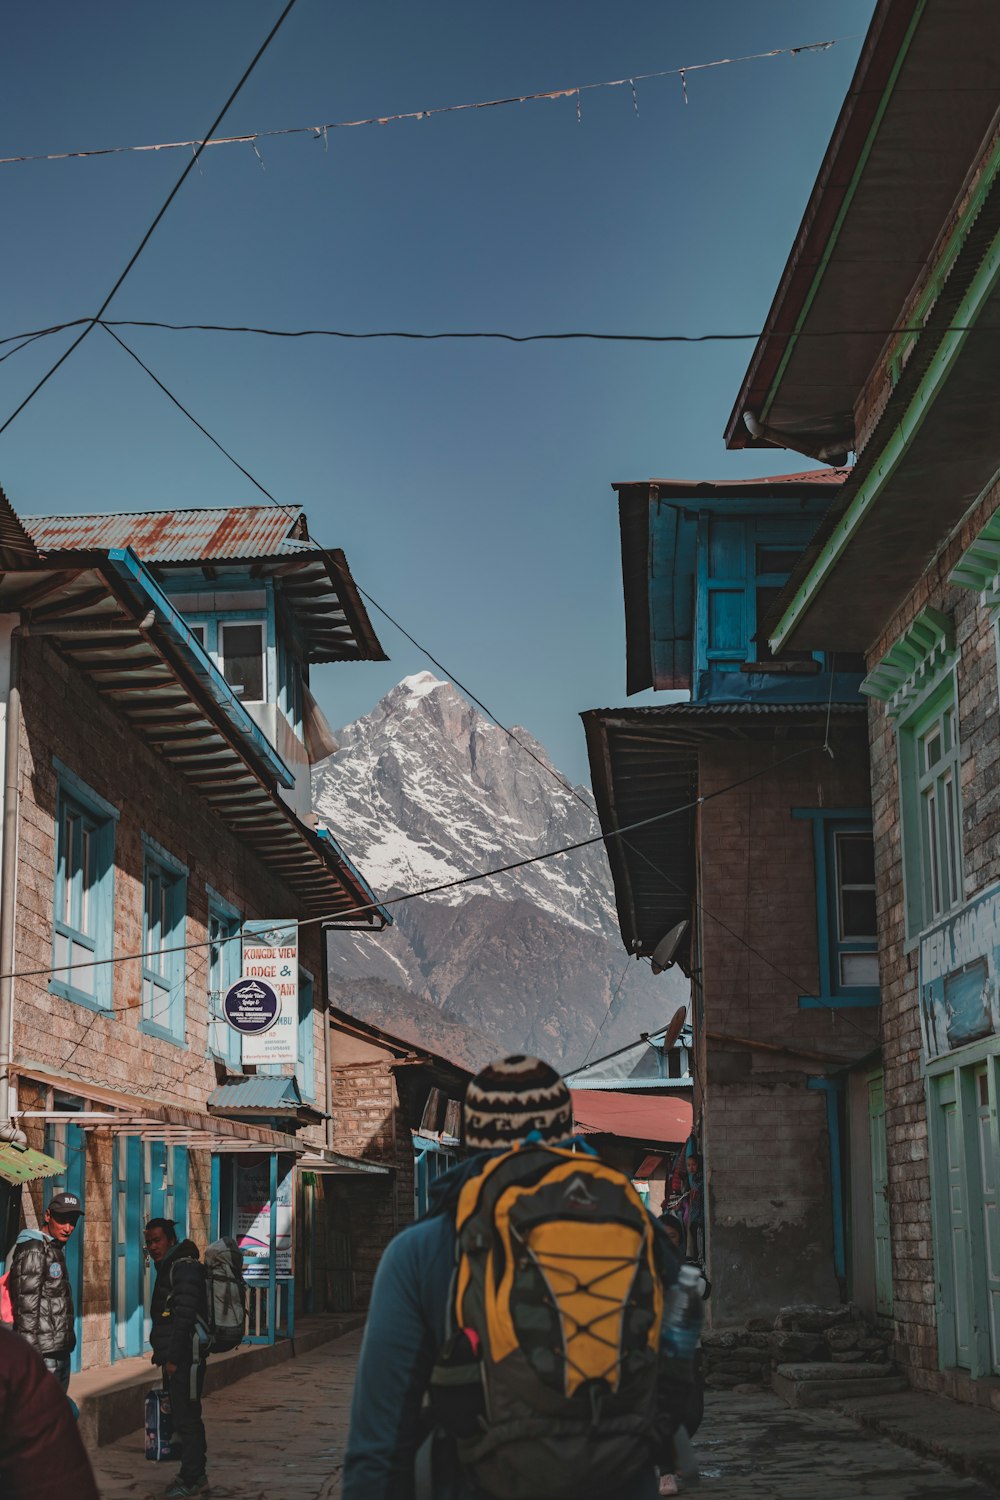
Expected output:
(425, 790)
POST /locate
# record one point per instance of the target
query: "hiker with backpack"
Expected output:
(513, 1343)
(198, 1308)
(179, 1313)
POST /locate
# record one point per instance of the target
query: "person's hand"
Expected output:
(170, 1369)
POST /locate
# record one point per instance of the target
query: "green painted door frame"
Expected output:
(962, 1097)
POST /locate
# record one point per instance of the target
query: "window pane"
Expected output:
(856, 853)
(777, 559)
(198, 631)
(859, 969)
(243, 660)
(857, 914)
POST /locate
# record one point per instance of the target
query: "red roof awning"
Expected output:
(663, 1119)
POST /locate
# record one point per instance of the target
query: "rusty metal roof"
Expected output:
(314, 581)
(212, 534)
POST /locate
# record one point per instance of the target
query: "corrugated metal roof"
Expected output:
(268, 1093)
(721, 487)
(212, 534)
(750, 709)
(17, 1165)
(664, 1121)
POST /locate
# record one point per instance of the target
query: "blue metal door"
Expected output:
(127, 1268)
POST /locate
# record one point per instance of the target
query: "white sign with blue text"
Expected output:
(960, 977)
(271, 958)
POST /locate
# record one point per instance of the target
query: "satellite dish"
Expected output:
(662, 955)
(675, 1028)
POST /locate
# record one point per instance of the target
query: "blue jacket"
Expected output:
(405, 1330)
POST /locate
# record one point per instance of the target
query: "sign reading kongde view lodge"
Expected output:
(263, 1004)
(959, 969)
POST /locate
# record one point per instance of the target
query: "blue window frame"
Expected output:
(164, 965)
(846, 929)
(742, 567)
(305, 1067)
(224, 953)
(83, 910)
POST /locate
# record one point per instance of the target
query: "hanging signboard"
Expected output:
(253, 1220)
(271, 962)
(960, 977)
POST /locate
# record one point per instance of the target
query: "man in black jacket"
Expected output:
(177, 1307)
(40, 1293)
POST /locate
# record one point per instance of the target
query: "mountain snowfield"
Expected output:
(424, 790)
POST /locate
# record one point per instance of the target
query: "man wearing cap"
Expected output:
(40, 1293)
(513, 1099)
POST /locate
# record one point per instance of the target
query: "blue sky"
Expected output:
(469, 483)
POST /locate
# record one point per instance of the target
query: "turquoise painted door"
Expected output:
(880, 1196)
(986, 1123)
(959, 1270)
(127, 1270)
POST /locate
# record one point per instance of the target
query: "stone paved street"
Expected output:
(280, 1435)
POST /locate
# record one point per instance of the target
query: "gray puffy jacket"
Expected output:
(40, 1293)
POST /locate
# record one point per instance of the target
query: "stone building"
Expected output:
(756, 851)
(158, 734)
(399, 1105)
(900, 248)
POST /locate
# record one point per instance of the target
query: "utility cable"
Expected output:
(330, 918)
(90, 324)
(607, 1014)
(520, 743)
(552, 337)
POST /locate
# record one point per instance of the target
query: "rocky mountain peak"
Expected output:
(424, 790)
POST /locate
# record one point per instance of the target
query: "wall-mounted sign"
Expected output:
(253, 1220)
(960, 977)
(251, 1006)
(271, 958)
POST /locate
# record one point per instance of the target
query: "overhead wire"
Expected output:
(133, 258)
(434, 336)
(550, 770)
(330, 918)
(322, 131)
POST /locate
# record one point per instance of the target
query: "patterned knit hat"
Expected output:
(511, 1098)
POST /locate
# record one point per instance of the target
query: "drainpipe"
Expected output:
(8, 878)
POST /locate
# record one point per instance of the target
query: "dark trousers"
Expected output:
(185, 1412)
(58, 1365)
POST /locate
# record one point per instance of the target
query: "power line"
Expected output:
(190, 415)
(432, 890)
(514, 738)
(498, 335)
(153, 226)
(321, 132)
(607, 1013)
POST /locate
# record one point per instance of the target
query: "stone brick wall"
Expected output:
(367, 1123)
(770, 1235)
(906, 1109)
(64, 717)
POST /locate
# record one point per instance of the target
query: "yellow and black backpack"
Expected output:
(547, 1380)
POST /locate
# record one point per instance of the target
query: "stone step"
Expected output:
(834, 1382)
(819, 1369)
